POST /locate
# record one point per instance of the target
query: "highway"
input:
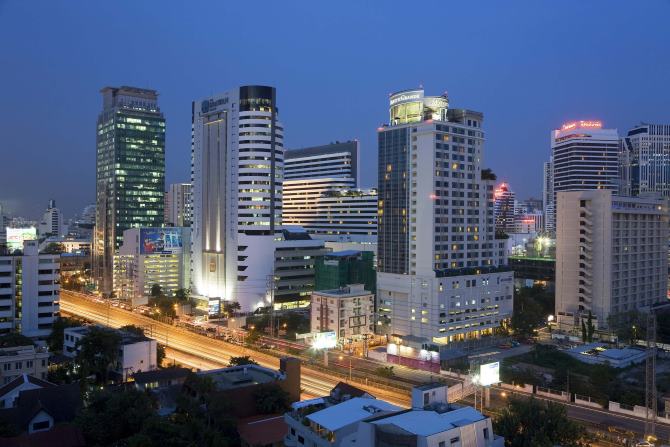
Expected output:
(212, 352)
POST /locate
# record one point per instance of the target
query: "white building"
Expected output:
(548, 208)
(19, 360)
(442, 275)
(645, 163)
(366, 421)
(178, 212)
(611, 255)
(335, 160)
(348, 311)
(52, 221)
(29, 291)
(137, 353)
(151, 256)
(237, 174)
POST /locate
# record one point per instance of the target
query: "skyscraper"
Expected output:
(178, 211)
(237, 159)
(611, 255)
(130, 172)
(548, 197)
(442, 275)
(645, 160)
(52, 221)
(504, 208)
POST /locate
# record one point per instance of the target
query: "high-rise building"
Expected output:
(584, 156)
(29, 291)
(178, 211)
(237, 174)
(504, 208)
(335, 160)
(320, 194)
(611, 255)
(151, 256)
(645, 160)
(130, 172)
(548, 197)
(52, 221)
(442, 274)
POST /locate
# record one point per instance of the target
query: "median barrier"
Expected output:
(553, 394)
(587, 402)
(517, 388)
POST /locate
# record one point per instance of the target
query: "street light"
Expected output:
(342, 358)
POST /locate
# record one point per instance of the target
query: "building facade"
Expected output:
(237, 174)
(29, 291)
(548, 208)
(504, 208)
(645, 160)
(130, 172)
(611, 255)
(335, 160)
(178, 211)
(338, 268)
(52, 222)
(151, 256)
(18, 360)
(442, 274)
(347, 311)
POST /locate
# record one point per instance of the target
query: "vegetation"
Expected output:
(532, 306)
(270, 398)
(54, 248)
(533, 423)
(55, 338)
(14, 339)
(99, 353)
(385, 371)
(242, 360)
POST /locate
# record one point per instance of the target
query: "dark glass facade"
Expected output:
(393, 242)
(130, 172)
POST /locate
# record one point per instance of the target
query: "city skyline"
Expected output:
(350, 75)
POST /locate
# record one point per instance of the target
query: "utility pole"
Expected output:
(271, 289)
(651, 403)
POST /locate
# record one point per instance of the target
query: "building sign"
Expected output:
(16, 236)
(489, 374)
(582, 125)
(160, 240)
(407, 96)
(211, 104)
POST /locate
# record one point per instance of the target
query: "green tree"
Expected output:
(13, 339)
(132, 329)
(385, 371)
(590, 328)
(584, 333)
(54, 248)
(270, 398)
(532, 423)
(532, 305)
(229, 307)
(99, 351)
(160, 354)
(242, 360)
(627, 325)
(110, 417)
(156, 291)
(181, 295)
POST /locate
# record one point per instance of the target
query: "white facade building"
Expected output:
(237, 174)
(348, 311)
(442, 275)
(645, 160)
(178, 211)
(19, 360)
(136, 353)
(29, 291)
(151, 256)
(335, 160)
(611, 255)
(52, 221)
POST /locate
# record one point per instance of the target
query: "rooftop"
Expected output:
(344, 253)
(344, 292)
(350, 411)
(427, 423)
(241, 376)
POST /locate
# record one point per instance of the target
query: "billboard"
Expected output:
(489, 373)
(16, 236)
(320, 340)
(160, 240)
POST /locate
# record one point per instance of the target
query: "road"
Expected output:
(211, 351)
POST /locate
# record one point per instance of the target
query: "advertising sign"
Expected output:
(489, 374)
(160, 240)
(320, 340)
(16, 236)
(406, 96)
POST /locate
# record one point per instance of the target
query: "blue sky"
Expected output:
(527, 65)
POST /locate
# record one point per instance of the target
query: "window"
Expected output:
(454, 440)
(301, 440)
(43, 425)
(19, 365)
(486, 433)
(442, 444)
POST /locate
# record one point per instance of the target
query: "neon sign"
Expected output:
(582, 125)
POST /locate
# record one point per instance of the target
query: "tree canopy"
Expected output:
(99, 352)
(242, 360)
(532, 423)
(532, 305)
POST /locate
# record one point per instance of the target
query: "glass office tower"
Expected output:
(130, 172)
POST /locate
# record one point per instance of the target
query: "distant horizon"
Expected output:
(333, 68)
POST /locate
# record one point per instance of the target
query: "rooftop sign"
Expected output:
(582, 125)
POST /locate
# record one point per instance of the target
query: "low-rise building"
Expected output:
(366, 421)
(10, 392)
(347, 311)
(29, 291)
(137, 353)
(18, 360)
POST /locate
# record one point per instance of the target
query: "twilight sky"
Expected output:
(528, 65)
